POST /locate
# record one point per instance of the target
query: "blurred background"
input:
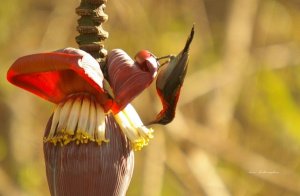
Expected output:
(237, 129)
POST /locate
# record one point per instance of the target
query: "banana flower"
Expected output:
(90, 137)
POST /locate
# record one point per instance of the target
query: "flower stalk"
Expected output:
(91, 34)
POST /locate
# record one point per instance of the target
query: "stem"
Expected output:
(91, 34)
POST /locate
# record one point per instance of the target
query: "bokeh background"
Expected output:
(237, 129)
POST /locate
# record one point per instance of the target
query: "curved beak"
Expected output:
(169, 83)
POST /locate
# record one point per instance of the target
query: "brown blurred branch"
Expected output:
(235, 62)
(254, 164)
(181, 171)
(196, 159)
(205, 173)
(154, 166)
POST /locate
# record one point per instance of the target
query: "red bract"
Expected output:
(54, 76)
(128, 78)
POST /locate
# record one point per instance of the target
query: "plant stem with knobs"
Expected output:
(91, 34)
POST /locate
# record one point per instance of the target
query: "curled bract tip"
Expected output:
(128, 78)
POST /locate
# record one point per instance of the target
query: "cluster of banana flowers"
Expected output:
(73, 80)
(93, 108)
